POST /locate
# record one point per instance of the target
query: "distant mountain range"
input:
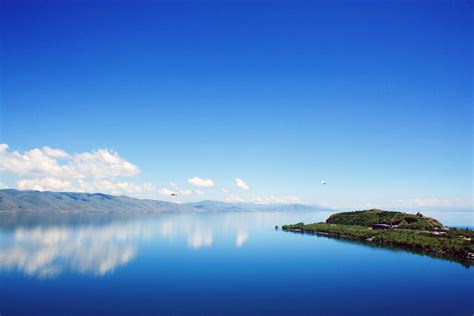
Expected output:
(223, 206)
(36, 201)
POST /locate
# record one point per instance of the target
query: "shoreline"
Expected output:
(467, 261)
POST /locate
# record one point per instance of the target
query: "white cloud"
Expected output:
(176, 190)
(432, 202)
(52, 169)
(233, 199)
(437, 202)
(101, 170)
(54, 153)
(181, 191)
(102, 163)
(45, 184)
(276, 199)
(199, 182)
(165, 191)
(34, 162)
(241, 184)
(263, 199)
(48, 162)
(115, 188)
(129, 187)
(3, 185)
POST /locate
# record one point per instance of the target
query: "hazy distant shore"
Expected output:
(13, 201)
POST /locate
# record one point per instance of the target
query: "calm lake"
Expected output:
(216, 263)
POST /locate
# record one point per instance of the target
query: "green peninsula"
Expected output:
(411, 232)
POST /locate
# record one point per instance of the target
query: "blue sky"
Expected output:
(373, 97)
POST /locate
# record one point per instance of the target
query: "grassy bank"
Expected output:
(425, 235)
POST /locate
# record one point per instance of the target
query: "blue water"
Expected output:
(216, 263)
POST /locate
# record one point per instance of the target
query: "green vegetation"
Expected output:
(412, 232)
(374, 216)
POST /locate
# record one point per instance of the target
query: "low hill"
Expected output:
(35, 201)
(16, 201)
(375, 216)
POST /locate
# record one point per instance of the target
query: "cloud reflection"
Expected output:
(199, 239)
(98, 247)
(46, 252)
(241, 239)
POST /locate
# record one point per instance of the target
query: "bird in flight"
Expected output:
(174, 194)
(323, 182)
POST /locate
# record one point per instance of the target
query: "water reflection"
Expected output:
(48, 251)
(46, 246)
(241, 238)
(198, 233)
(97, 246)
(199, 239)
